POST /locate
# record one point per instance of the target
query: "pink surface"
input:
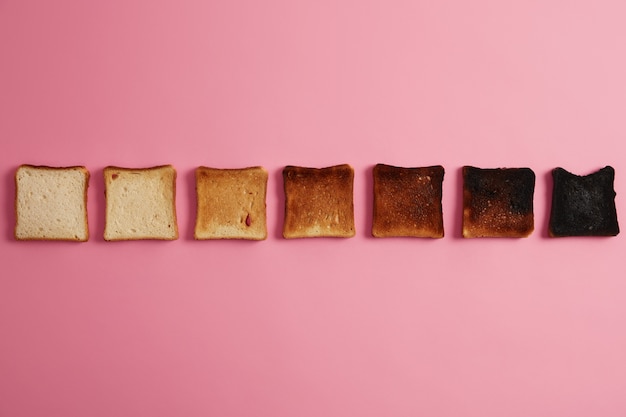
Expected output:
(356, 327)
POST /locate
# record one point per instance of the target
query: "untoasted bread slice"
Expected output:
(318, 202)
(583, 205)
(51, 203)
(407, 201)
(140, 203)
(498, 202)
(231, 203)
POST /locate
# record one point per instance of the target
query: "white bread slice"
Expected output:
(231, 203)
(140, 203)
(51, 203)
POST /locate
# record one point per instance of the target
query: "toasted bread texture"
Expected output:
(319, 202)
(498, 202)
(583, 205)
(140, 203)
(231, 203)
(407, 201)
(51, 203)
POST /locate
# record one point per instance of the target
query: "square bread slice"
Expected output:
(140, 203)
(318, 202)
(498, 202)
(583, 205)
(231, 203)
(51, 203)
(407, 201)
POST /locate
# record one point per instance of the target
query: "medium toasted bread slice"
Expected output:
(51, 203)
(498, 202)
(407, 201)
(319, 202)
(140, 203)
(231, 203)
(583, 205)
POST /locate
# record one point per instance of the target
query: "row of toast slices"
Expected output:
(51, 203)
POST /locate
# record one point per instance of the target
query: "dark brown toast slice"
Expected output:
(498, 202)
(583, 205)
(231, 203)
(318, 202)
(407, 201)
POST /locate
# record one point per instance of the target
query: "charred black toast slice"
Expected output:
(583, 205)
(498, 202)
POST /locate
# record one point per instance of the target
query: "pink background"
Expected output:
(318, 327)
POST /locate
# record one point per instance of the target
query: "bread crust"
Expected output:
(583, 205)
(407, 201)
(74, 238)
(318, 202)
(156, 223)
(498, 202)
(231, 203)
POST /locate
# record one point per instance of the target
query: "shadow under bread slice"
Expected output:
(498, 202)
(583, 205)
(407, 201)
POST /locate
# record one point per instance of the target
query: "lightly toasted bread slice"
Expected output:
(51, 203)
(318, 202)
(407, 201)
(140, 203)
(583, 205)
(231, 203)
(498, 202)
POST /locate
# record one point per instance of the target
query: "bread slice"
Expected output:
(51, 203)
(498, 202)
(407, 201)
(318, 202)
(231, 203)
(583, 205)
(140, 203)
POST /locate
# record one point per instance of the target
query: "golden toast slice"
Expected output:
(231, 203)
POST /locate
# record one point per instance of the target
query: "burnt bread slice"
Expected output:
(583, 205)
(407, 201)
(318, 202)
(231, 203)
(498, 202)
